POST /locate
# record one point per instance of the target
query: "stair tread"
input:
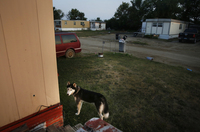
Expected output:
(68, 128)
(76, 127)
(52, 128)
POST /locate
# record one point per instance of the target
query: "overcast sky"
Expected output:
(105, 9)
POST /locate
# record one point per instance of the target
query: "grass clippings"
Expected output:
(142, 95)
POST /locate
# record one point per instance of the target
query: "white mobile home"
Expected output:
(143, 29)
(165, 28)
(97, 25)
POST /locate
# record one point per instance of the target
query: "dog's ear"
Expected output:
(74, 85)
(68, 83)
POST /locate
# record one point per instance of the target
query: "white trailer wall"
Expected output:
(148, 28)
(176, 29)
(165, 28)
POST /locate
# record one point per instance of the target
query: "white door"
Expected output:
(148, 28)
(159, 28)
(166, 28)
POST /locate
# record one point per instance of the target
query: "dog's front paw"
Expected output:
(76, 113)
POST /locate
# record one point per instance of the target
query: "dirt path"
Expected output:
(173, 53)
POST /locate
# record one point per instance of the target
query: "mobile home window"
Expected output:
(180, 26)
(65, 23)
(58, 22)
(74, 23)
(82, 23)
(160, 24)
(154, 24)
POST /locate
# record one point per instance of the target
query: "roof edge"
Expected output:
(165, 20)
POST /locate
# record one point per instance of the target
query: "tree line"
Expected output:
(74, 14)
(129, 16)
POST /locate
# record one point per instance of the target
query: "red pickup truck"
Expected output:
(190, 34)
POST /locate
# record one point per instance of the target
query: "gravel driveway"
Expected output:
(173, 53)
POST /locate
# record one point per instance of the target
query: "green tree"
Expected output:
(112, 23)
(130, 16)
(162, 9)
(166, 9)
(98, 19)
(58, 14)
(137, 13)
(75, 14)
(121, 15)
(190, 11)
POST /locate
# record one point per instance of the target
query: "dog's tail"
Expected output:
(105, 111)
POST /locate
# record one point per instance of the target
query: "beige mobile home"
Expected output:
(71, 25)
(165, 28)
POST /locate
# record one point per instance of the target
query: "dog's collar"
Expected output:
(78, 89)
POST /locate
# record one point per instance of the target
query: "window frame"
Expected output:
(58, 23)
(160, 24)
(82, 23)
(154, 24)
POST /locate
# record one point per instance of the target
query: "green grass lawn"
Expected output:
(142, 95)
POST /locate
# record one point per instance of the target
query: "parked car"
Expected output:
(190, 34)
(67, 44)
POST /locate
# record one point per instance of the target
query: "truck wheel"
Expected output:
(70, 53)
(195, 41)
(180, 40)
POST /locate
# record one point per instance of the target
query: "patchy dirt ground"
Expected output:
(169, 52)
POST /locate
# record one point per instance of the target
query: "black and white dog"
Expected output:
(81, 95)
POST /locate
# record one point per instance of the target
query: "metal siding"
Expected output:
(47, 43)
(154, 30)
(148, 27)
(9, 111)
(159, 30)
(174, 28)
(22, 43)
(166, 28)
(70, 24)
(29, 58)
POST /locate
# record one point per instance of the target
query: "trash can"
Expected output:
(122, 45)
